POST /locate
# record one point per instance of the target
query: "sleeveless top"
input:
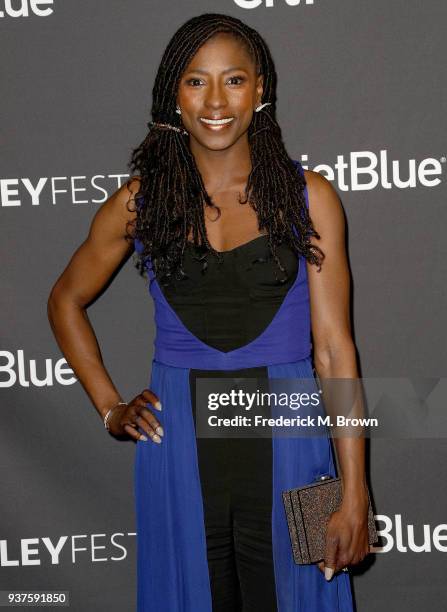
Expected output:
(201, 320)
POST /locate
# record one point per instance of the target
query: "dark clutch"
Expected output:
(308, 510)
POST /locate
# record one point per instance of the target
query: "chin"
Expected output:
(216, 142)
(223, 146)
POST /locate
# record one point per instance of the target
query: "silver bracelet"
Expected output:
(109, 412)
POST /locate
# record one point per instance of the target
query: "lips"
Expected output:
(216, 122)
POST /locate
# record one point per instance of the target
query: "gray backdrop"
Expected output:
(359, 80)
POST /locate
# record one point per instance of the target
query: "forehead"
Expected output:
(220, 51)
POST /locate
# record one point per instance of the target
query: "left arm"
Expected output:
(335, 357)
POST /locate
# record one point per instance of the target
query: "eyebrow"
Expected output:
(232, 69)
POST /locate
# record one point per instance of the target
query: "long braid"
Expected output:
(172, 194)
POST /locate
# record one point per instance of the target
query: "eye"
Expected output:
(192, 81)
(241, 79)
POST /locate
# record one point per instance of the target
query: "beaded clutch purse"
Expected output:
(308, 510)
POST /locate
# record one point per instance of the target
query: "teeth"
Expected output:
(216, 121)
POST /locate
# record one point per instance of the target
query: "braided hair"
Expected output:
(171, 196)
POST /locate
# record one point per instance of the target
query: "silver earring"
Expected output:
(177, 110)
(261, 106)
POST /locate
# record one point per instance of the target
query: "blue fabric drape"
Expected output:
(172, 561)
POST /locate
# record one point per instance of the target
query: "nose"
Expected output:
(215, 96)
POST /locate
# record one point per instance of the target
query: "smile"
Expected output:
(216, 123)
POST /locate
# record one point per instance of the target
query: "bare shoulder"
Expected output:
(111, 221)
(123, 200)
(325, 207)
(319, 188)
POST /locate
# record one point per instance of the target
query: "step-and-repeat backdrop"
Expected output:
(361, 100)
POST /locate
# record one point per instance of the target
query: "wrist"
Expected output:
(108, 415)
(355, 495)
(107, 402)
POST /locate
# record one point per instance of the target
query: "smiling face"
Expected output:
(218, 93)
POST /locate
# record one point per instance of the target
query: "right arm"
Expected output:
(87, 273)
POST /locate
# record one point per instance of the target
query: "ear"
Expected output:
(259, 88)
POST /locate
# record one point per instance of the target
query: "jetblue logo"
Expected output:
(18, 370)
(251, 4)
(25, 8)
(364, 171)
(408, 538)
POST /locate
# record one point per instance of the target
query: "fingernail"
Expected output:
(160, 431)
(328, 572)
(157, 405)
(143, 438)
(156, 438)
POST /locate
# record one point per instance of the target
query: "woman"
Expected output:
(226, 226)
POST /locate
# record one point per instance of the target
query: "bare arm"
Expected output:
(335, 357)
(87, 273)
(334, 350)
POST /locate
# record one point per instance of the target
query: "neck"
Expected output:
(222, 170)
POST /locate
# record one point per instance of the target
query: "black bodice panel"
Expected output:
(230, 303)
